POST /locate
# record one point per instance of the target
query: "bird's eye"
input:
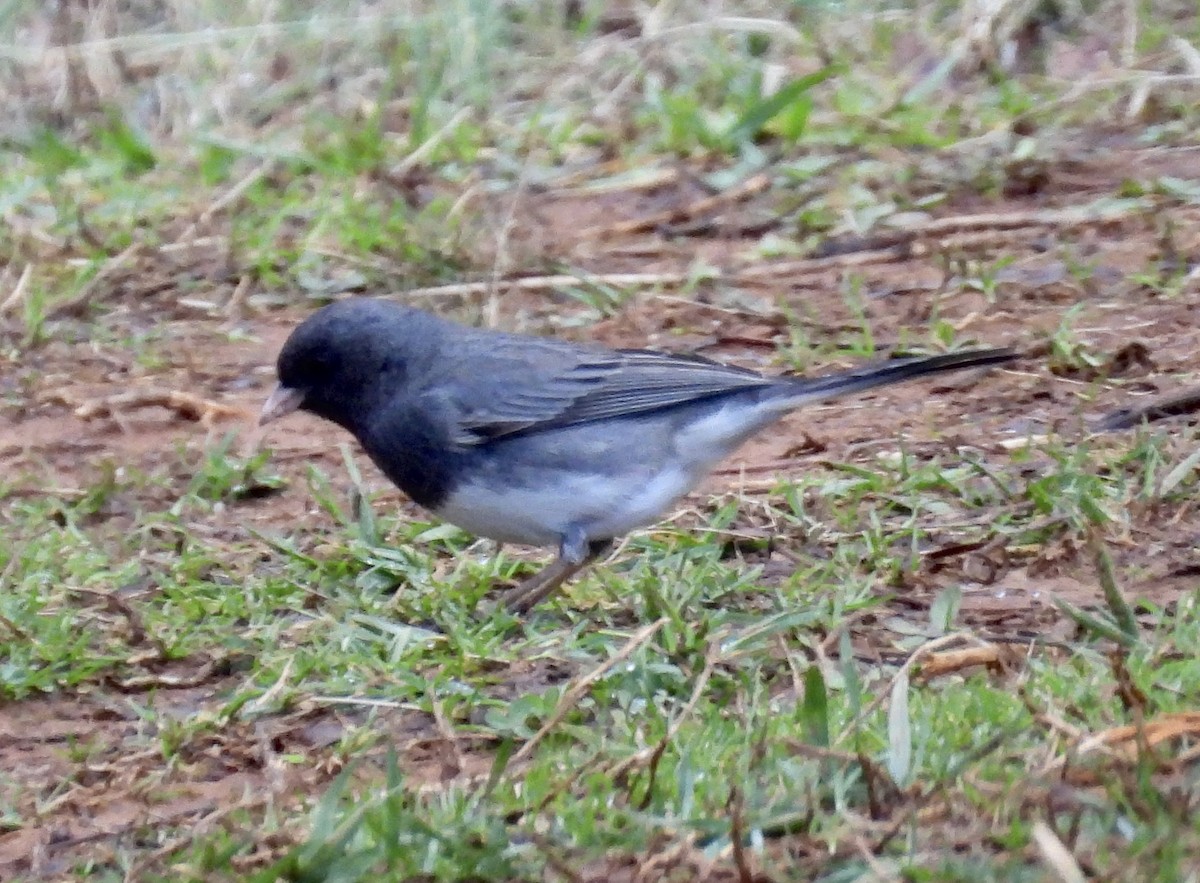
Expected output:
(307, 371)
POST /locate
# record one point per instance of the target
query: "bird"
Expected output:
(539, 441)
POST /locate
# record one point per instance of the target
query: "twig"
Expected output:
(141, 683)
(149, 44)
(229, 197)
(447, 732)
(185, 404)
(970, 230)
(878, 870)
(1056, 854)
(736, 833)
(501, 255)
(656, 752)
(17, 632)
(542, 283)
(269, 700)
(235, 306)
(426, 147)
(1174, 404)
(74, 306)
(189, 239)
(941, 664)
(18, 292)
(564, 785)
(581, 686)
(585, 183)
(753, 185)
(137, 628)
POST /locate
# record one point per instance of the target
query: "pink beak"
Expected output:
(281, 402)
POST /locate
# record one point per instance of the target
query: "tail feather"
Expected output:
(794, 392)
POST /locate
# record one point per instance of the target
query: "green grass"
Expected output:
(721, 719)
(741, 689)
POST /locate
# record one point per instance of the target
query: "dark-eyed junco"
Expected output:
(533, 440)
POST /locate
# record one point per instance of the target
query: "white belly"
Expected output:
(641, 468)
(602, 507)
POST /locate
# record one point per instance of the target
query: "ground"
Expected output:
(947, 625)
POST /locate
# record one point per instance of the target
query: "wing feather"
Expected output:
(549, 384)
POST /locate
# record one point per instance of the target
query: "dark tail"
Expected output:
(808, 389)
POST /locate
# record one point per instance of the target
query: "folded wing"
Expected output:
(561, 384)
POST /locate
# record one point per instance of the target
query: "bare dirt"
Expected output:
(68, 416)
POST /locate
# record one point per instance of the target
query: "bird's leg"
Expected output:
(528, 594)
(575, 552)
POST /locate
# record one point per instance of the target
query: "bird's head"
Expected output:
(345, 360)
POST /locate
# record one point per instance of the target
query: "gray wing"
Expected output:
(521, 383)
